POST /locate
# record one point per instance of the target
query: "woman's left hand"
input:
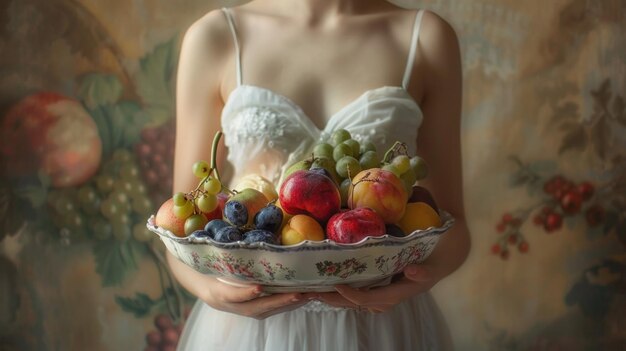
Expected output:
(417, 279)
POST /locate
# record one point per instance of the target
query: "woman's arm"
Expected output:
(439, 69)
(207, 48)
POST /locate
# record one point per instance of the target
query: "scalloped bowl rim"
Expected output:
(447, 219)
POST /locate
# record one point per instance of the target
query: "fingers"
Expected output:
(391, 294)
(282, 309)
(269, 305)
(418, 273)
(229, 293)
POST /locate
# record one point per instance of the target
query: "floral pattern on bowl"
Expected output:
(309, 265)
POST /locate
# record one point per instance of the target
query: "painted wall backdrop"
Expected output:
(86, 108)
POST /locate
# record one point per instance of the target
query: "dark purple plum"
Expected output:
(260, 235)
(269, 218)
(228, 235)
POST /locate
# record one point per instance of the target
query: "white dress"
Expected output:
(265, 132)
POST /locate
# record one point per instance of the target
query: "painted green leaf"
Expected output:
(155, 77)
(574, 140)
(139, 306)
(114, 260)
(96, 89)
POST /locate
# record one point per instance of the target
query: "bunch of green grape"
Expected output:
(348, 157)
(115, 203)
(196, 206)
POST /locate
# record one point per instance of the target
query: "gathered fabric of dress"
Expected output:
(265, 132)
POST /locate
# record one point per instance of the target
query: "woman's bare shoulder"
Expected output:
(209, 34)
(437, 31)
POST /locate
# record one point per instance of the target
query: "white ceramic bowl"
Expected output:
(309, 265)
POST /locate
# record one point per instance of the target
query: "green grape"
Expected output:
(119, 197)
(121, 156)
(141, 233)
(102, 229)
(64, 205)
(355, 146)
(195, 222)
(339, 136)
(212, 186)
(341, 150)
(179, 199)
(86, 195)
(105, 183)
(129, 172)
(120, 219)
(409, 179)
(369, 160)
(200, 169)
(391, 168)
(124, 186)
(344, 191)
(138, 189)
(142, 205)
(323, 150)
(109, 209)
(184, 211)
(74, 220)
(367, 146)
(206, 203)
(419, 167)
(348, 166)
(121, 232)
(402, 163)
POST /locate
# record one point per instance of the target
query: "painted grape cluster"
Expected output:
(155, 154)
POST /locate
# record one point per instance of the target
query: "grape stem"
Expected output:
(398, 147)
(179, 297)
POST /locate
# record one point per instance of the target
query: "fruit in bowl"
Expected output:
(358, 225)
(311, 193)
(355, 225)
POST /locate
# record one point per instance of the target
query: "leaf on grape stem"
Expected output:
(600, 134)
(114, 260)
(574, 140)
(139, 306)
(97, 89)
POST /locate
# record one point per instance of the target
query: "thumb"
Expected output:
(418, 273)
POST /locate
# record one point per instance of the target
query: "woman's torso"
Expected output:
(353, 75)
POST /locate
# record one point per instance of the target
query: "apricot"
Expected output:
(419, 216)
(166, 219)
(301, 227)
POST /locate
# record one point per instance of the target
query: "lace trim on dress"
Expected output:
(317, 306)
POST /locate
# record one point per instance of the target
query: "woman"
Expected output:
(279, 75)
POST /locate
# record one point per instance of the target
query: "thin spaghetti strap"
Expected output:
(414, 41)
(233, 30)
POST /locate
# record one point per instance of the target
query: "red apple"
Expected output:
(52, 133)
(354, 225)
(310, 193)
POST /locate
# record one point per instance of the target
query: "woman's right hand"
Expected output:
(247, 301)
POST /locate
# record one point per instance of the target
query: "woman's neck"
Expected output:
(323, 12)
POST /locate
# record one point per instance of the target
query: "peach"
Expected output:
(419, 216)
(165, 218)
(381, 191)
(301, 227)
